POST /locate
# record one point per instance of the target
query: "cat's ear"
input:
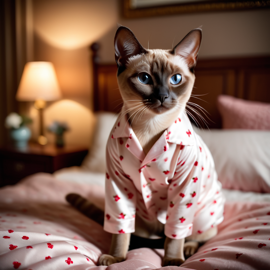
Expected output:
(189, 46)
(126, 45)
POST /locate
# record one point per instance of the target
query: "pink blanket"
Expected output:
(39, 230)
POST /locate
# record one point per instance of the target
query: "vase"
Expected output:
(59, 140)
(20, 136)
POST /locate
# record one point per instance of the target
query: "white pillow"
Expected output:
(95, 161)
(242, 158)
(78, 175)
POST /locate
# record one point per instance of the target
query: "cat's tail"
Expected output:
(86, 207)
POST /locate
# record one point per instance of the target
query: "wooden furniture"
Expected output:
(241, 77)
(139, 9)
(16, 164)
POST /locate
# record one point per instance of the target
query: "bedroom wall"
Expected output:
(240, 33)
(64, 29)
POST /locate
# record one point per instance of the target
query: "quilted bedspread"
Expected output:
(39, 230)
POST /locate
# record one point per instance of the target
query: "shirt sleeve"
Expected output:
(120, 198)
(183, 193)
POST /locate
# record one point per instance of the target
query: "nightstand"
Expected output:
(16, 164)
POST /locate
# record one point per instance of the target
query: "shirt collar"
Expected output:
(180, 132)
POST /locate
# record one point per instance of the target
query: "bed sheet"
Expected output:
(39, 230)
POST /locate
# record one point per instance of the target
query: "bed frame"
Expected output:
(242, 77)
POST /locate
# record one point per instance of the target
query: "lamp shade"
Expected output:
(38, 82)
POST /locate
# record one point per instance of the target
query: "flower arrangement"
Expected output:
(16, 121)
(58, 128)
(19, 132)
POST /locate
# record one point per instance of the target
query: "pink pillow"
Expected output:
(241, 114)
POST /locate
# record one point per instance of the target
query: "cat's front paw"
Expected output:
(172, 261)
(108, 260)
(190, 248)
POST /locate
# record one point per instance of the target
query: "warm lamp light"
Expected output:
(39, 84)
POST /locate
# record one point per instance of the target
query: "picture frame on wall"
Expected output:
(132, 9)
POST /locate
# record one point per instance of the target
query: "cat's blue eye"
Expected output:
(145, 78)
(175, 79)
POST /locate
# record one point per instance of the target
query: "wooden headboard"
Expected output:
(246, 78)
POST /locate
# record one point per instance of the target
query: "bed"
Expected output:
(39, 230)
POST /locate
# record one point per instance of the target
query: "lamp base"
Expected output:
(42, 140)
(40, 105)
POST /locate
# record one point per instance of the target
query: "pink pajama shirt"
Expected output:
(175, 182)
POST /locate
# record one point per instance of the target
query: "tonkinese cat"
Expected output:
(160, 177)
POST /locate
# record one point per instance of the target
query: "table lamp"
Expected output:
(39, 84)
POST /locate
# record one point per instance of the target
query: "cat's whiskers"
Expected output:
(131, 114)
(181, 106)
(135, 110)
(203, 110)
(193, 118)
(145, 106)
(199, 99)
(142, 112)
(198, 114)
(130, 111)
(120, 104)
(201, 95)
(200, 110)
(135, 117)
